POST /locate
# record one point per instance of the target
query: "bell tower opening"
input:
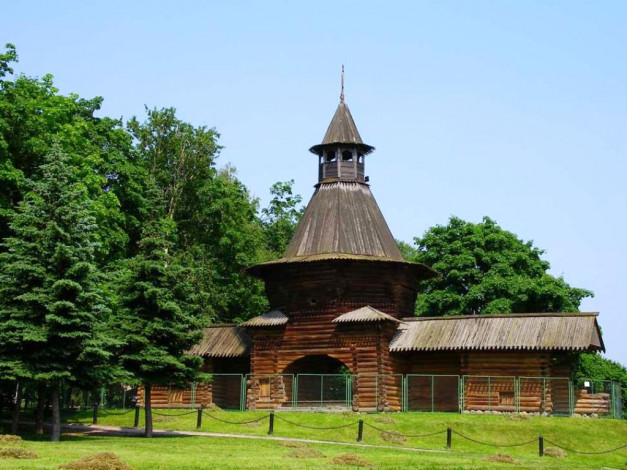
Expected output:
(341, 155)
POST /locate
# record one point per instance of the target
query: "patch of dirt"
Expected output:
(293, 444)
(254, 424)
(305, 453)
(393, 438)
(74, 434)
(555, 452)
(9, 438)
(501, 458)
(17, 453)
(351, 459)
(211, 407)
(101, 461)
(163, 417)
(385, 420)
(517, 417)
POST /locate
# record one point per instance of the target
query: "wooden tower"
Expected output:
(339, 291)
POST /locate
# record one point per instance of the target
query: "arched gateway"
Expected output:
(342, 300)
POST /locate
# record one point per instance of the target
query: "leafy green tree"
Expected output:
(51, 311)
(485, 269)
(216, 218)
(158, 317)
(6, 58)
(179, 157)
(33, 115)
(232, 240)
(281, 216)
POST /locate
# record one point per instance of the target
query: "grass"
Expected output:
(208, 452)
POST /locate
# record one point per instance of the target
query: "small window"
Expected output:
(330, 156)
(264, 390)
(360, 158)
(506, 398)
(347, 156)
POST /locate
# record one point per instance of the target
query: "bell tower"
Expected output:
(342, 153)
(341, 288)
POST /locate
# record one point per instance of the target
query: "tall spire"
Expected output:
(342, 129)
(342, 92)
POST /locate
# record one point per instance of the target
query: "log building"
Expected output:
(341, 304)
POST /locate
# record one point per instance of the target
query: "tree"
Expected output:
(281, 216)
(33, 116)
(158, 317)
(485, 269)
(231, 240)
(51, 311)
(218, 229)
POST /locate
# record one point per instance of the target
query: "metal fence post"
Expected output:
(543, 394)
(376, 393)
(192, 394)
(242, 392)
(136, 422)
(271, 425)
(449, 438)
(360, 430)
(571, 395)
(517, 394)
(489, 394)
(432, 392)
(404, 393)
(541, 446)
(199, 417)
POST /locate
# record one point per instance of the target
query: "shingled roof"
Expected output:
(342, 130)
(272, 318)
(364, 314)
(223, 341)
(529, 331)
(343, 217)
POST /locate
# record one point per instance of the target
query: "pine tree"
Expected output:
(158, 318)
(51, 313)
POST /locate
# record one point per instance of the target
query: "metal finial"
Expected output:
(342, 92)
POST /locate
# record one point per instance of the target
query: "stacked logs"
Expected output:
(168, 397)
(592, 403)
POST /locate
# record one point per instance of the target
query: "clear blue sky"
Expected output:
(515, 110)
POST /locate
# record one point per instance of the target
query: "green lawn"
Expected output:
(208, 452)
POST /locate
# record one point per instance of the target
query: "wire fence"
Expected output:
(556, 396)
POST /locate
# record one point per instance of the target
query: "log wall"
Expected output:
(169, 397)
(313, 295)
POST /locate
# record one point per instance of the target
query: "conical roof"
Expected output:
(342, 130)
(343, 218)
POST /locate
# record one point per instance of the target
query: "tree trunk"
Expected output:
(148, 410)
(55, 436)
(17, 404)
(39, 411)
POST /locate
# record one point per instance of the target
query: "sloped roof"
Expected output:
(343, 217)
(272, 318)
(223, 341)
(532, 331)
(364, 314)
(342, 130)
